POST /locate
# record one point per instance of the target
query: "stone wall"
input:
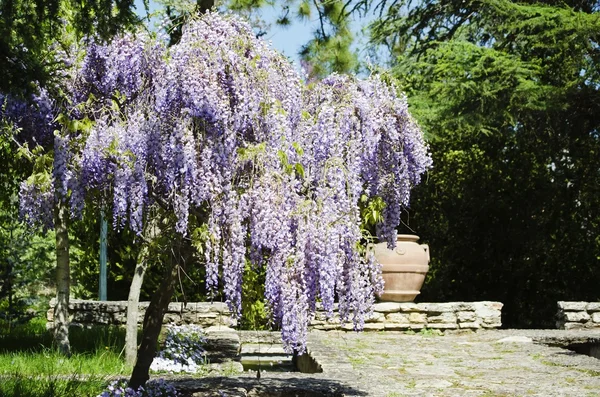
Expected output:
(386, 316)
(88, 312)
(415, 316)
(578, 315)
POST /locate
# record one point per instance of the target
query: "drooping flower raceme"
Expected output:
(221, 129)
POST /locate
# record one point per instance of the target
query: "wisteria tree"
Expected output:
(244, 160)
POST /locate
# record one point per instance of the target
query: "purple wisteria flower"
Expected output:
(222, 125)
(153, 388)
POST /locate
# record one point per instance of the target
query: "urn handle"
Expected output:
(426, 249)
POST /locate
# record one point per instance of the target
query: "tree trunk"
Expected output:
(133, 306)
(156, 311)
(151, 233)
(61, 310)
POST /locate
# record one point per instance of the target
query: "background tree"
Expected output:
(30, 33)
(509, 96)
(37, 45)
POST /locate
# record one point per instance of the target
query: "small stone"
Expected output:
(488, 309)
(465, 316)
(570, 326)
(409, 307)
(470, 325)
(218, 328)
(443, 318)
(432, 308)
(487, 323)
(418, 318)
(50, 315)
(464, 306)
(348, 327)
(329, 327)
(577, 317)
(593, 307)
(397, 318)
(376, 317)
(172, 318)
(387, 307)
(443, 326)
(515, 339)
(572, 306)
(374, 327)
(596, 317)
(397, 326)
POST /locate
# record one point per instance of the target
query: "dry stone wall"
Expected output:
(578, 315)
(395, 316)
(88, 312)
(386, 316)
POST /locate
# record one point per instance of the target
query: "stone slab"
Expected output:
(387, 307)
(593, 307)
(576, 317)
(572, 306)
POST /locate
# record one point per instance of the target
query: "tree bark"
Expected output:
(61, 310)
(133, 306)
(151, 233)
(155, 313)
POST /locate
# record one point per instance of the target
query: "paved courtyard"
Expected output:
(484, 363)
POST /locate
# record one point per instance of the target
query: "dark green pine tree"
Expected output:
(509, 96)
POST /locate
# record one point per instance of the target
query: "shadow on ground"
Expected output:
(281, 386)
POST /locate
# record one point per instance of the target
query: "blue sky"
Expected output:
(287, 40)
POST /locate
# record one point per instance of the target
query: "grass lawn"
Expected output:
(31, 366)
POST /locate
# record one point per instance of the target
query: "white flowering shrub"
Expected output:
(183, 350)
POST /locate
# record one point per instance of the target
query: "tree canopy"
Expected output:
(246, 161)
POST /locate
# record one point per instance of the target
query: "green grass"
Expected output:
(51, 362)
(30, 364)
(19, 385)
(30, 351)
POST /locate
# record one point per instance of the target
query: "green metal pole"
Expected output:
(103, 234)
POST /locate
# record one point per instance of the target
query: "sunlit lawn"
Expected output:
(31, 366)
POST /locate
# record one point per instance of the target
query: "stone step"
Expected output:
(266, 359)
(279, 363)
(261, 348)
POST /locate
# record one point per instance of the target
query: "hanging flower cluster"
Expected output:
(221, 125)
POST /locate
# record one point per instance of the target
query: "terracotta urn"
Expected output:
(404, 268)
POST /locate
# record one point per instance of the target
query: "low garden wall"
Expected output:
(578, 315)
(394, 316)
(386, 316)
(88, 312)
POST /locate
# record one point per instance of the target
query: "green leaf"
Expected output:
(298, 148)
(299, 170)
